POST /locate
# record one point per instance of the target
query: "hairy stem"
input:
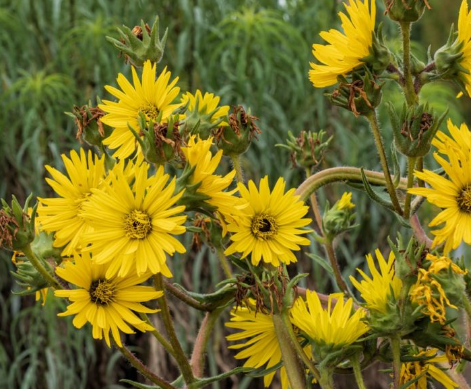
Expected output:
(419, 232)
(357, 371)
(180, 356)
(327, 379)
(144, 370)
(329, 248)
(187, 299)
(409, 90)
(238, 168)
(224, 262)
(372, 118)
(410, 183)
(157, 335)
(396, 351)
(40, 268)
(315, 206)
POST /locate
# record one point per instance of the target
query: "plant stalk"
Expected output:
(327, 379)
(411, 161)
(357, 371)
(396, 351)
(224, 262)
(165, 344)
(315, 206)
(40, 268)
(238, 168)
(329, 248)
(409, 90)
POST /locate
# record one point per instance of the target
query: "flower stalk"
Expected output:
(411, 162)
(355, 360)
(409, 90)
(396, 351)
(40, 268)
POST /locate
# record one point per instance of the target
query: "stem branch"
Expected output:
(40, 268)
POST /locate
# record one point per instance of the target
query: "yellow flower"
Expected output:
(270, 227)
(262, 347)
(63, 215)
(133, 224)
(464, 37)
(376, 291)
(335, 326)
(411, 370)
(198, 155)
(453, 195)
(346, 201)
(344, 51)
(106, 303)
(151, 97)
(460, 139)
(206, 104)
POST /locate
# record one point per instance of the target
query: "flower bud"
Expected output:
(308, 149)
(379, 57)
(16, 227)
(28, 277)
(405, 10)
(340, 218)
(408, 259)
(414, 129)
(191, 198)
(90, 128)
(141, 43)
(236, 138)
(361, 96)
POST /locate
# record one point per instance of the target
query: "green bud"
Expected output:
(28, 277)
(417, 66)
(428, 334)
(308, 149)
(408, 259)
(16, 227)
(192, 199)
(405, 10)
(141, 43)
(236, 138)
(448, 60)
(361, 96)
(379, 57)
(340, 218)
(199, 122)
(42, 246)
(414, 129)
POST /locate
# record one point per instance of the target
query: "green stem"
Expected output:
(329, 248)
(238, 168)
(396, 351)
(409, 90)
(165, 344)
(342, 174)
(384, 162)
(315, 206)
(180, 356)
(467, 305)
(327, 379)
(307, 361)
(224, 262)
(357, 371)
(40, 268)
(411, 161)
(144, 370)
(420, 168)
(292, 363)
(187, 299)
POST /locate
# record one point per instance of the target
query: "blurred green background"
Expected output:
(54, 55)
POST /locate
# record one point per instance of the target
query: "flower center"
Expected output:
(137, 224)
(464, 199)
(150, 111)
(102, 292)
(264, 226)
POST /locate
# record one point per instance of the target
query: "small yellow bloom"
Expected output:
(207, 103)
(376, 291)
(346, 201)
(344, 51)
(106, 303)
(335, 326)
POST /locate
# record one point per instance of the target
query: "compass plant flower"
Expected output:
(134, 223)
(108, 304)
(345, 51)
(63, 216)
(153, 98)
(270, 228)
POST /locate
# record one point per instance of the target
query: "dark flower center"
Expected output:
(464, 199)
(264, 226)
(102, 292)
(137, 224)
(150, 111)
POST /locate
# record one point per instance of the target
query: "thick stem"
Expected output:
(409, 90)
(294, 366)
(384, 162)
(157, 335)
(238, 168)
(180, 356)
(420, 168)
(144, 370)
(419, 232)
(40, 268)
(329, 248)
(327, 379)
(197, 357)
(315, 206)
(410, 183)
(187, 299)
(357, 371)
(224, 262)
(342, 174)
(396, 351)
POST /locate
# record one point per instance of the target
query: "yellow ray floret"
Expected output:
(150, 97)
(105, 303)
(133, 225)
(464, 37)
(376, 291)
(62, 215)
(344, 51)
(207, 103)
(460, 140)
(346, 201)
(452, 195)
(335, 326)
(270, 227)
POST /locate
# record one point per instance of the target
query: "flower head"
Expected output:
(346, 201)
(270, 227)
(412, 370)
(152, 98)
(344, 51)
(452, 194)
(106, 303)
(382, 287)
(133, 223)
(335, 326)
(464, 38)
(460, 139)
(63, 215)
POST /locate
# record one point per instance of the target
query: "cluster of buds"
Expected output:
(16, 227)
